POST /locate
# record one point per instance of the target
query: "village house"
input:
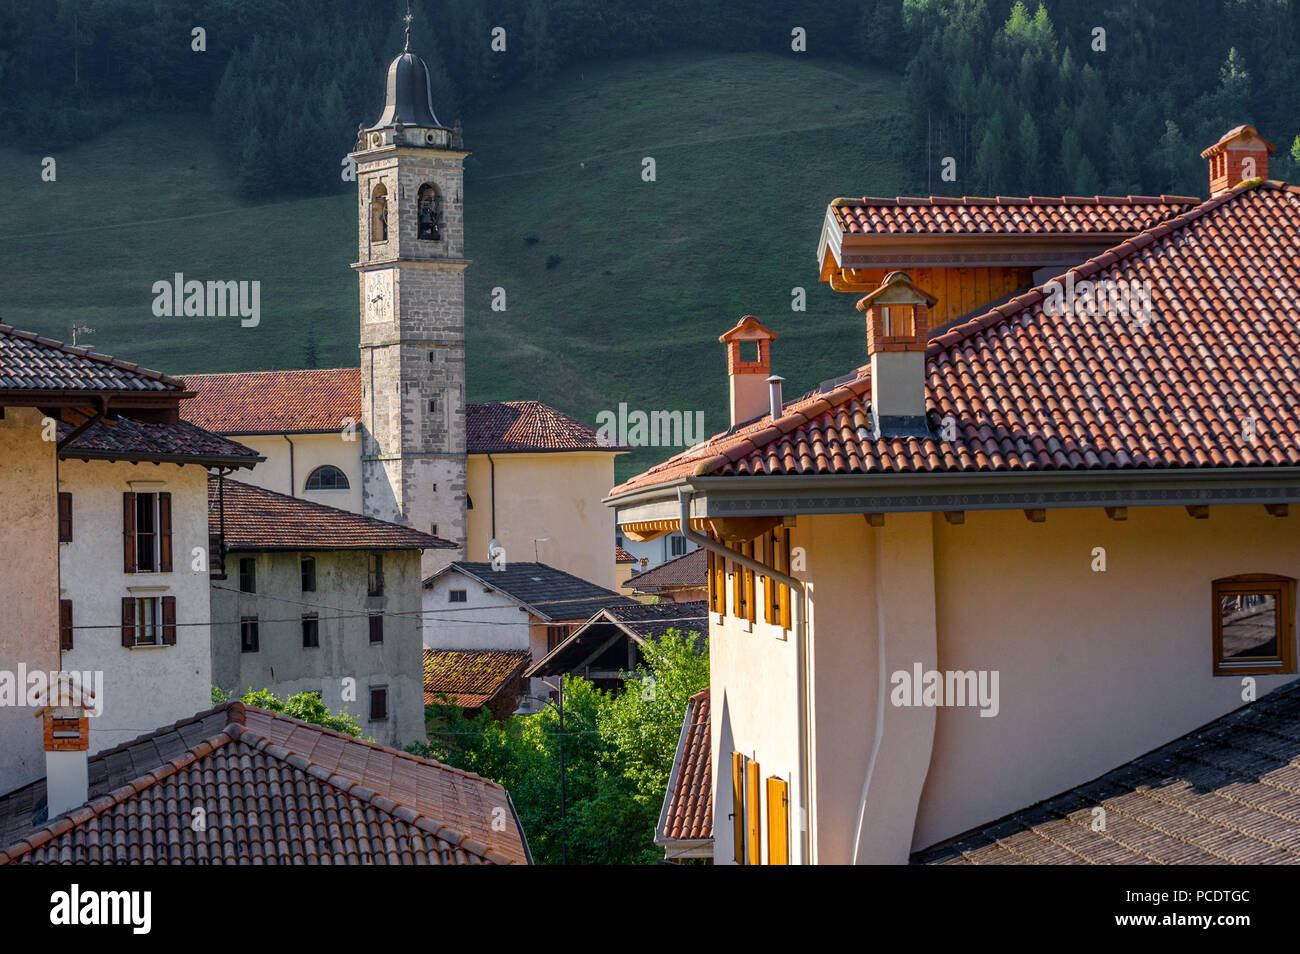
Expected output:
(528, 607)
(202, 783)
(1016, 547)
(476, 679)
(105, 498)
(679, 580)
(311, 598)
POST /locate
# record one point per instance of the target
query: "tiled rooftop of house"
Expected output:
(260, 519)
(685, 571)
(1228, 793)
(1007, 215)
(622, 556)
(126, 439)
(274, 790)
(471, 678)
(31, 362)
(688, 805)
(548, 593)
(633, 619)
(277, 402)
(1031, 392)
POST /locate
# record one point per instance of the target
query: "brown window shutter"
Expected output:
(128, 533)
(128, 621)
(169, 620)
(65, 625)
(165, 532)
(753, 812)
(65, 517)
(778, 822)
(738, 806)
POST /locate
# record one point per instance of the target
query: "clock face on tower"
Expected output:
(378, 296)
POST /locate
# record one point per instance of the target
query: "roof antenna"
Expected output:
(407, 18)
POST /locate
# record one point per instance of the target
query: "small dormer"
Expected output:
(1239, 156)
(749, 364)
(898, 330)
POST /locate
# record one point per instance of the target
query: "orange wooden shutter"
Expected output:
(169, 620)
(738, 805)
(750, 609)
(128, 532)
(778, 822)
(783, 564)
(65, 625)
(753, 812)
(165, 532)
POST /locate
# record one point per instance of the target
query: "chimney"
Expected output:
(749, 362)
(67, 743)
(774, 402)
(898, 329)
(1240, 155)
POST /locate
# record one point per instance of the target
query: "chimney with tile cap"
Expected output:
(1240, 155)
(67, 741)
(898, 329)
(748, 375)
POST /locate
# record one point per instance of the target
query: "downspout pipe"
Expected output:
(293, 485)
(797, 623)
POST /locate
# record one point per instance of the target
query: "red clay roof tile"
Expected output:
(689, 807)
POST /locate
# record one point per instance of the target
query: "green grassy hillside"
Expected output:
(642, 276)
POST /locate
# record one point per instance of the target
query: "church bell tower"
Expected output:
(411, 270)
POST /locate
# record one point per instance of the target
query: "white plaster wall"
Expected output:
(149, 687)
(486, 620)
(309, 452)
(29, 567)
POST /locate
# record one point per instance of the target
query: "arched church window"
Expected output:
(327, 477)
(379, 214)
(430, 213)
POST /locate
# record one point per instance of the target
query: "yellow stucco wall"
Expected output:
(546, 495)
(309, 452)
(29, 589)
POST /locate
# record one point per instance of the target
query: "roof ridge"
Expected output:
(901, 201)
(94, 807)
(1121, 252)
(82, 352)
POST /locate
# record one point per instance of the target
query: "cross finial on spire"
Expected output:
(407, 18)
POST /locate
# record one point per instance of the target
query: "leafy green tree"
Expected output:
(306, 706)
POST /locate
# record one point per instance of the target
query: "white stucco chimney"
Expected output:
(898, 329)
(749, 362)
(67, 742)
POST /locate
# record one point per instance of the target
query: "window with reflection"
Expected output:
(1254, 625)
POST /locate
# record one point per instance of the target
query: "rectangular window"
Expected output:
(65, 518)
(65, 625)
(310, 631)
(309, 574)
(678, 543)
(376, 628)
(378, 703)
(147, 532)
(376, 576)
(457, 596)
(248, 574)
(148, 621)
(248, 638)
(1254, 625)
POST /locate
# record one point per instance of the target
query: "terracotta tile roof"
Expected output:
(126, 439)
(686, 571)
(1006, 215)
(688, 804)
(1227, 793)
(275, 790)
(1031, 392)
(273, 402)
(30, 362)
(622, 556)
(470, 677)
(503, 427)
(544, 591)
(260, 519)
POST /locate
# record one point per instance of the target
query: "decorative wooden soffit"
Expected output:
(1036, 516)
(955, 516)
(1199, 511)
(645, 530)
(1277, 510)
(1117, 513)
(742, 529)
